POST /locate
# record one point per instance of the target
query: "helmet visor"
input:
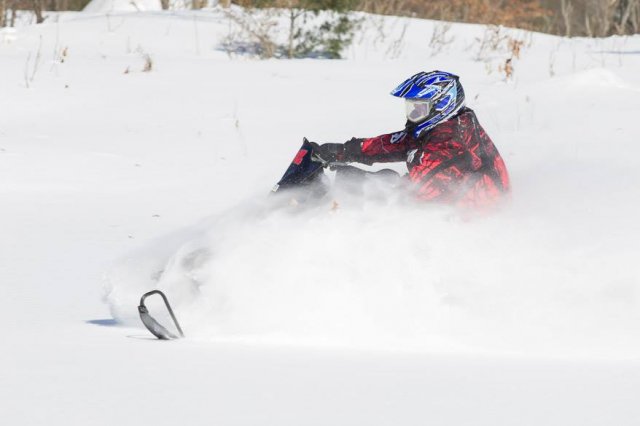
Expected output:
(417, 109)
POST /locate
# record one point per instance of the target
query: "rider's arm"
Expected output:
(387, 148)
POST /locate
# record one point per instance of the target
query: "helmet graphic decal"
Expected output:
(429, 92)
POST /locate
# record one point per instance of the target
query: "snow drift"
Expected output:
(110, 6)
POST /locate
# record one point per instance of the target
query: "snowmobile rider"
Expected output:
(450, 157)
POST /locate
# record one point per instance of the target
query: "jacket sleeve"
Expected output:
(387, 148)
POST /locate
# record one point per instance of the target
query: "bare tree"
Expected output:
(259, 27)
(439, 40)
(8, 13)
(37, 10)
(607, 17)
(58, 5)
(587, 25)
(635, 18)
(3, 9)
(294, 15)
(12, 20)
(601, 16)
(626, 9)
(566, 8)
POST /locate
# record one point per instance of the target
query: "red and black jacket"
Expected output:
(455, 162)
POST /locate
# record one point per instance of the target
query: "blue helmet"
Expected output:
(432, 97)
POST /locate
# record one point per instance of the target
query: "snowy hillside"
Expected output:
(110, 6)
(115, 180)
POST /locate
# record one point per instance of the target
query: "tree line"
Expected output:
(582, 18)
(586, 18)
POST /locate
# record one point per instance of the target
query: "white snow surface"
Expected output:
(370, 310)
(110, 6)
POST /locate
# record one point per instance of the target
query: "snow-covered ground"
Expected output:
(114, 181)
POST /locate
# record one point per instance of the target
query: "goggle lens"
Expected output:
(417, 110)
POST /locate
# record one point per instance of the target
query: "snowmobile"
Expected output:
(304, 181)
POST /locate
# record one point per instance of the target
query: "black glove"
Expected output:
(353, 152)
(327, 153)
(348, 152)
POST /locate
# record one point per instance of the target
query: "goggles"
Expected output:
(417, 109)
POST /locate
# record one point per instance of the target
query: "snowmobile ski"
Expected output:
(154, 326)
